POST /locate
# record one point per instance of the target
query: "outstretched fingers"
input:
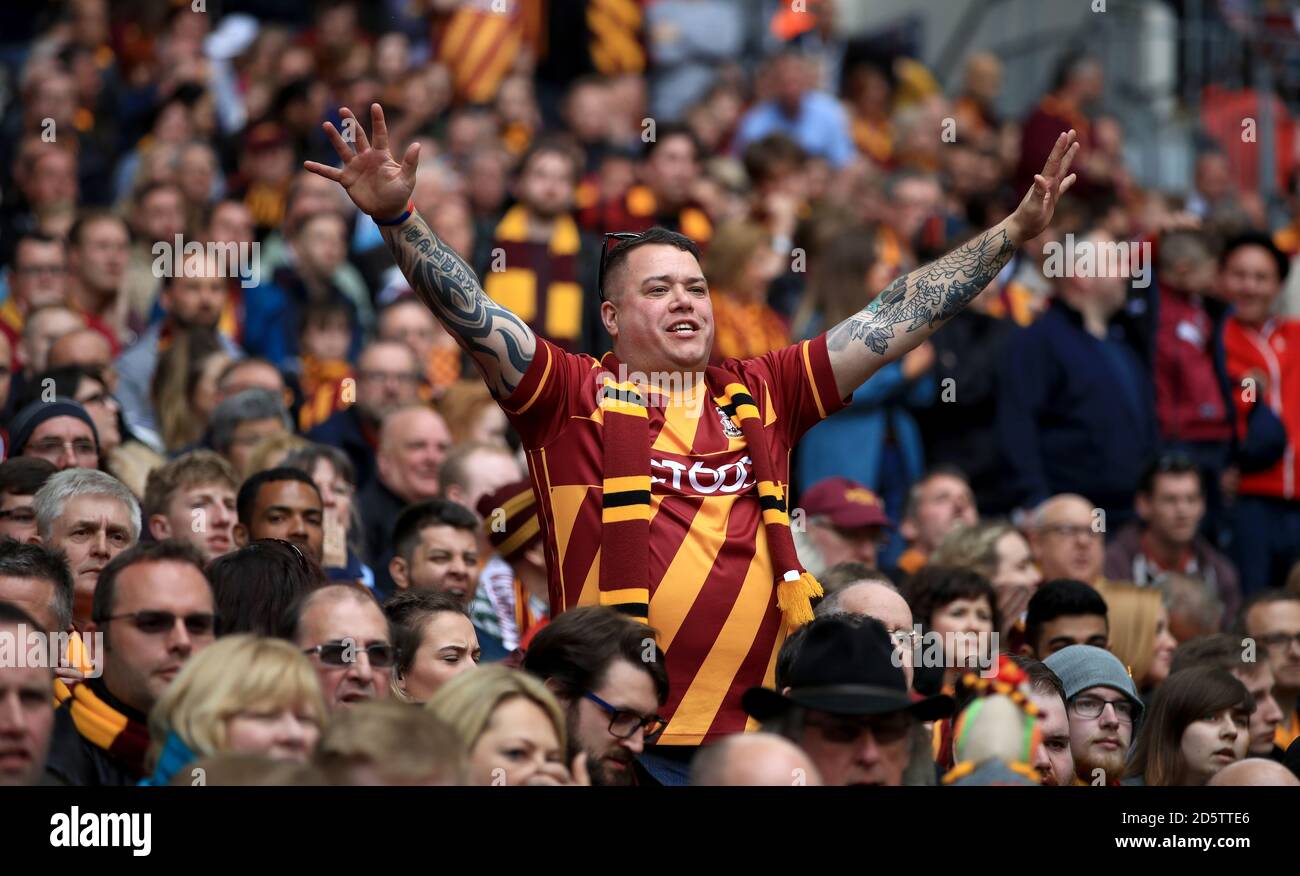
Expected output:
(379, 126)
(331, 173)
(340, 145)
(363, 142)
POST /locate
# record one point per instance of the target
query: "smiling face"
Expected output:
(659, 312)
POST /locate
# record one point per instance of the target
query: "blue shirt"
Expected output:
(821, 127)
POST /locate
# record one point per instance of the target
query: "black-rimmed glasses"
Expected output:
(623, 723)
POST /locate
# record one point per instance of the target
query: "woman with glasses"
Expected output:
(512, 726)
(243, 694)
(1198, 723)
(1139, 633)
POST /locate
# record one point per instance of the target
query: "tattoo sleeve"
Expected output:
(501, 344)
(912, 307)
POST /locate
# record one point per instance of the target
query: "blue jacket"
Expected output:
(1076, 414)
(173, 758)
(850, 443)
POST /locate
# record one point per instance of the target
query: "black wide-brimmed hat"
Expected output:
(846, 668)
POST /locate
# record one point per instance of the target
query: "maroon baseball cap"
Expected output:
(847, 503)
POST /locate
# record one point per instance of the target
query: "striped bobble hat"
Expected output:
(510, 517)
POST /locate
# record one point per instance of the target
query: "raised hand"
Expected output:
(1035, 211)
(376, 183)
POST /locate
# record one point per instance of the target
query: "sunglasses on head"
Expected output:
(604, 250)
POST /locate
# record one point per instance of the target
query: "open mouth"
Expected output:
(354, 696)
(1226, 754)
(684, 328)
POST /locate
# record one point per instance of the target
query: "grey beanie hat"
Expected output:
(1083, 666)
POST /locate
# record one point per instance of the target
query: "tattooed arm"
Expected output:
(500, 343)
(911, 308)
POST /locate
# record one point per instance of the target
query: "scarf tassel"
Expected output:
(794, 595)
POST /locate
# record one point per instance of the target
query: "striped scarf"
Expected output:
(625, 513)
(103, 726)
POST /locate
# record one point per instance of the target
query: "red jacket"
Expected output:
(1273, 350)
(1189, 399)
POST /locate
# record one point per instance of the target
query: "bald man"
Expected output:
(753, 760)
(881, 600)
(1254, 772)
(1068, 539)
(413, 444)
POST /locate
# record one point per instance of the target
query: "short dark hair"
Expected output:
(166, 551)
(1260, 239)
(1264, 597)
(34, 561)
(24, 475)
(12, 614)
(666, 132)
(87, 218)
(66, 379)
(407, 612)
(249, 490)
(38, 237)
(1063, 597)
(933, 587)
(254, 586)
(419, 516)
(555, 144)
(574, 651)
(1218, 649)
(763, 157)
(619, 250)
(1170, 464)
(1041, 677)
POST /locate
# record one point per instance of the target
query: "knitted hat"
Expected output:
(25, 421)
(510, 516)
(1083, 666)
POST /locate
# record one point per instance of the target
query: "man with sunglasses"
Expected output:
(154, 606)
(608, 673)
(847, 703)
(696, 485)
(1103, 707)
(346, 636)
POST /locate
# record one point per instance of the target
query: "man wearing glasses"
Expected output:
(608, 673)
(1103, 708)
(154, 607)
(344, 633)
(1272, 621)
(687, 537)
(57, 430)
(847, 703)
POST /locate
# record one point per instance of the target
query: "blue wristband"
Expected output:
(410, 208)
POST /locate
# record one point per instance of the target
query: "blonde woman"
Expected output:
(242, 693)
(1139, 632)
(512, 726)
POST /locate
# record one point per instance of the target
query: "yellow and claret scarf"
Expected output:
(625, 513)
(103, 726)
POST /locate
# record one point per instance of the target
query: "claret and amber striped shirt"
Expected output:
(712, 597)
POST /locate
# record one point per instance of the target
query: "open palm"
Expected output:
(1035, 211)
(375, 182)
